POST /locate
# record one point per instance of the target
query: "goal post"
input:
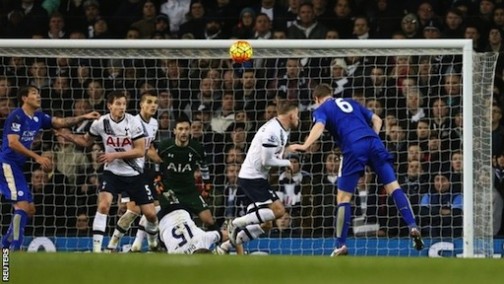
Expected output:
(477, 80)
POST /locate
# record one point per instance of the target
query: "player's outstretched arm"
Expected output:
(83, 140)
(17, 146)
(377, 122)
(62, 122)
(314, 135)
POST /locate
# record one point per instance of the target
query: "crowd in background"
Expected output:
(418, 97)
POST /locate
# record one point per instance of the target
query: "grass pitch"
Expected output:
(41, 268)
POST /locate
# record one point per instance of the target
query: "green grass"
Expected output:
(89, 268)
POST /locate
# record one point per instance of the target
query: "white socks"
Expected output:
(99, 226)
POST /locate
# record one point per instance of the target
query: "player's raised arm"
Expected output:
(377, 122)
(83, 140)
(60, 122)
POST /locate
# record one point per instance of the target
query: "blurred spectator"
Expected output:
(163, 26)
(245, 27)
(291, 183)
(56, 27)
(453, 24)
(425, 13)
(262, 27)
(81, 107)
(147, 25)
(340, 18)
(33, 18)
(176, 11)
(82, 228)
(495, 40)
(441, 209)
(224, 116)
(91, 12)
(498, 17)
(95, 94)
(410, 26)
(58, 102)
(318, 201)
(339, 80)
(232, 201)
(295, 83)
(292, 12)
(307, 26)
(165, 125)
(361, 28)
(70, 161)
(473, 32)
(195, 21)
(101, 29)
(38, 76)
(432, 30)
(275, 12)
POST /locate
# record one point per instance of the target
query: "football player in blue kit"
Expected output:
(21, 127)
(355, 130)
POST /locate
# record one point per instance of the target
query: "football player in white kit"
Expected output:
(266, 151)
(180, 234)
(123, 137)
(148, 108)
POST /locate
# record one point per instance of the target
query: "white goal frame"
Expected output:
(221, 46)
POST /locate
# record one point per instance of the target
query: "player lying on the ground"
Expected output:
(180, 234)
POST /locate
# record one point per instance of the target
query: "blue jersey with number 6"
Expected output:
(346, 120)
(349, 124)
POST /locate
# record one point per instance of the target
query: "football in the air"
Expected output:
(240, 51)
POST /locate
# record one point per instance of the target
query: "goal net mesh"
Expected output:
(417, 92)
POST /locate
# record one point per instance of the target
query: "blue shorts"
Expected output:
(257, 190)
(13, 185)
(366, 151)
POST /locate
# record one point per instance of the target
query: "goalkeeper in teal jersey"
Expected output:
(181, 156)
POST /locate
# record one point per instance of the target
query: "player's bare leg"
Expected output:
(100, 220)
(123, 224)
(141, 234)
(254, 218)
(403, 205)
(13, 239)
(151, 226)
(342, 222)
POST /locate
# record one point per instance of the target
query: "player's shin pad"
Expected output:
(152, 234)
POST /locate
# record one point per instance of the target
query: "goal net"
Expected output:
(435, 99)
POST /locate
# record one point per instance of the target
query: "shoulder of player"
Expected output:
(165, 144)
(196, 146)
(16, 113)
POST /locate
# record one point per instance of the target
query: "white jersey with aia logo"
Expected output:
(150, 129)
(118, 136)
